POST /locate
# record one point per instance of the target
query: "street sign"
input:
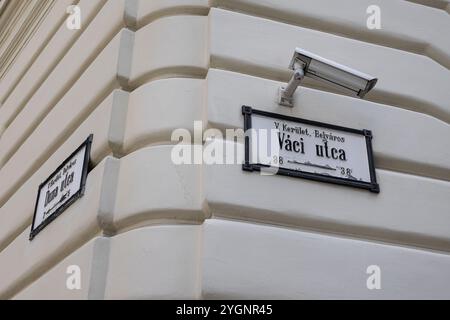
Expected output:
(62, 188)
(308, 149)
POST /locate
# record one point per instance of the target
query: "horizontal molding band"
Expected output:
(88, 257)
(186, 52)
(34, 47)
(22, 36)
(57, 50)
(349, 20)
(248, 261)
(439, 4)
(161, 9)
(172, 252)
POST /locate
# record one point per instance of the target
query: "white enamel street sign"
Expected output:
(64, 186)
(308, 149)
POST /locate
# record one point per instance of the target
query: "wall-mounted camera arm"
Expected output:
(285, 94)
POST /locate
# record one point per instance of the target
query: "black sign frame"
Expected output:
(372, 186)
(87, 157)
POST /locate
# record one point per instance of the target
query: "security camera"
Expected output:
(308, 64)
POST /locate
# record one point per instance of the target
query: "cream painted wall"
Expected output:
(147, 228)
